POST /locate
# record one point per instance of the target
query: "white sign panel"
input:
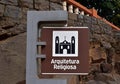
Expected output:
(65, 44)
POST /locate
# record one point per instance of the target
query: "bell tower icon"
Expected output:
(57, 45)
(73, 45)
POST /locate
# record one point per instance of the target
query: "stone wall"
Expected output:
(104, 50)
(13, 14)
(104, 43)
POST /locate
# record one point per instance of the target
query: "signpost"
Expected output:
(66, 50)
(34, 21)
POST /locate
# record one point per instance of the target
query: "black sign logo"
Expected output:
(69, 46)
(65, 44)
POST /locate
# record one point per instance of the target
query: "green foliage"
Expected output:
(109, 9)
(116, 20)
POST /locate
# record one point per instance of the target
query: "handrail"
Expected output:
(80, 9)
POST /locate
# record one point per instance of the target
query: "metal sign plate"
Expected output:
(67, 50)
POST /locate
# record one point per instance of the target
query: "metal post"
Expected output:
(33, 18)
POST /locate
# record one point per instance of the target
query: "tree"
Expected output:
(108, 9)
(116, 20)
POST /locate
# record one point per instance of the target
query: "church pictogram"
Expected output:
(64, 45)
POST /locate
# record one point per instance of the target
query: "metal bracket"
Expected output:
(33, 19)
